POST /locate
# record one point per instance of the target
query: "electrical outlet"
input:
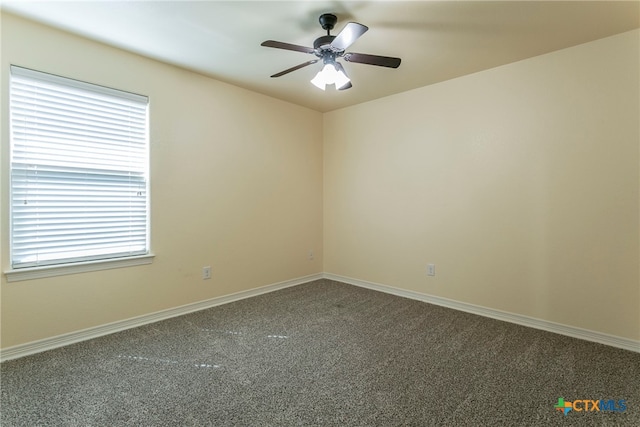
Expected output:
(431, 269)
(310, 255)
(206, 273)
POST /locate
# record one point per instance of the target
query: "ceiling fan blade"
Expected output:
(287, 46)
(349, 34)
(382, 61)
(297, 67)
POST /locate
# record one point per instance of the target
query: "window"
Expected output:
(79, 171)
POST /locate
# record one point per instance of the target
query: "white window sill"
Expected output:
(79, 267)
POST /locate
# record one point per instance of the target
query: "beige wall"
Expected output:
(520, 183)
(236, 183)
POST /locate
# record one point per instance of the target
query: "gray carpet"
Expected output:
(322, 354)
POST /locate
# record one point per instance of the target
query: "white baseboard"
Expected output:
(570, 331)
(33, 347)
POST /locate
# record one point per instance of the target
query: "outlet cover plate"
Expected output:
(431, 269)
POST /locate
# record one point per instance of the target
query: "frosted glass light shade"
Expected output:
(330, 75)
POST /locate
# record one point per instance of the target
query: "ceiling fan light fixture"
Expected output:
(319, 80)
(330, 74)
(341, 79)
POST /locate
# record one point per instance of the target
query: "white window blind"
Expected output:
(79, 171)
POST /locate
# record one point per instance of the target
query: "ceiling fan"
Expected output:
(329, 48)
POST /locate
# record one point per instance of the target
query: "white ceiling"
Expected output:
(437, 40)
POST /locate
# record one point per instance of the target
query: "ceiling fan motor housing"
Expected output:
(323, 41)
